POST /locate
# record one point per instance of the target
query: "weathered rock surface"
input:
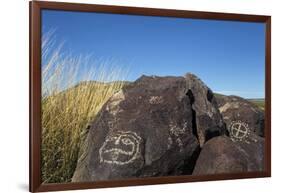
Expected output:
(223, 155)
(160, 126)
(150, 128)
(235, 108)
(209, 122)
(144, 130)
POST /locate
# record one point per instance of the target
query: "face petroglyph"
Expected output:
(120, 148)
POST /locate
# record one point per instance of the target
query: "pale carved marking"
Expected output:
(239, 131)
(156, 100)
(177, 132)
(180, 144)
(121, 148)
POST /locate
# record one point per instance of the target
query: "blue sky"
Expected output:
(228, 56)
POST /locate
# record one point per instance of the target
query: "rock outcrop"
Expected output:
(149, 128)
(209, 122)
(234, 108)
(222, 155)
(159, 126)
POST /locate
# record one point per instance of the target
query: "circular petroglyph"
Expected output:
(239, 131)
(120, 148)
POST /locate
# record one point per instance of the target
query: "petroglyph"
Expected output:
(156, 100)
(120, 148)
(180, 144)
(177, 132)
(239, 131)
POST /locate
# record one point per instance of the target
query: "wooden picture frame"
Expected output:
(35, 93)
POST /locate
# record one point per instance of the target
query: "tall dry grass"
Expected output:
(73, 91)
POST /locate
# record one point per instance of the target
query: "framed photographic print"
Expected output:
(123, 96)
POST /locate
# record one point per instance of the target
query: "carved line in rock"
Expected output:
(239, 131)
(177, 132)
(121, 148)
(156, 100)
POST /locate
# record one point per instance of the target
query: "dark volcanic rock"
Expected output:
(157, 126)
(222, 155)
(147, 129)
(235, 109)
(209, 122)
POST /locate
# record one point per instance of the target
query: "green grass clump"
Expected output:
(70, 100)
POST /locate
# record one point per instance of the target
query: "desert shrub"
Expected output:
(73, 91)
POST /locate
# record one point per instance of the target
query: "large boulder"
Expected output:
(226, 155)
(209, 122)
(234, 108)
(150, 128)
(143, 130)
